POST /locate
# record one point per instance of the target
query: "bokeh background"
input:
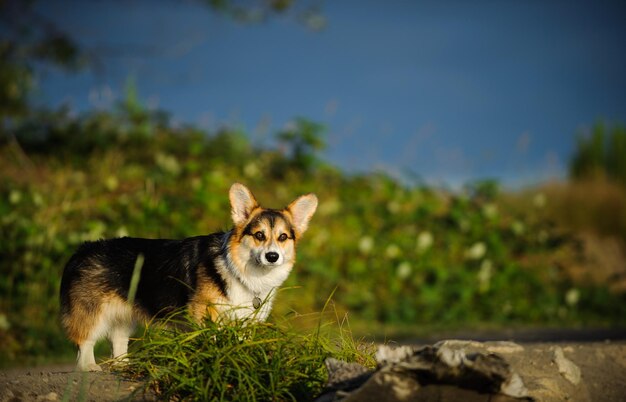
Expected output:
(470, 157)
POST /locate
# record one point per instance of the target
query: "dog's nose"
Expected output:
(271, 256)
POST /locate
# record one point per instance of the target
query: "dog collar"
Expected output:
(256, 302)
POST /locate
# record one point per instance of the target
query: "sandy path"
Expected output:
(601, 367)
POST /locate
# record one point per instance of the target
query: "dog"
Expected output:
(225, 275)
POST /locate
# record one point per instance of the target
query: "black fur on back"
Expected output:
(168, 275)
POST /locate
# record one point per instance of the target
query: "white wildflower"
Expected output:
(121, 232)
(476, 252)
(5, 325)
(111, 183)
(392, 251)
(15, 197)
(404, 270)
(518, 228)
(38, 199)
(425, 241)
(490, 211)
(393, 206)
(168, 163)
(572, 297)
(366, 244)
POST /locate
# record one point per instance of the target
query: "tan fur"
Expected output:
(90, 305)
(81, 321)
(233, 244)
(205, 299)
(86, 304)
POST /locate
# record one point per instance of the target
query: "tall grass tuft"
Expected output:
(241, 360)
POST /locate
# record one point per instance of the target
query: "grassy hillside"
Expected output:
(396, 256)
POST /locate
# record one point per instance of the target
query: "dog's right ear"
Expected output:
(242, 203)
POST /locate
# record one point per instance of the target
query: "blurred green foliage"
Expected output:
(398, 255)
(601, 153)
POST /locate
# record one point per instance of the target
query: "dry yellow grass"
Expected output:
(591, 206)
(594, 211)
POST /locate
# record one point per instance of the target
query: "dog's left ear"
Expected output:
(242, 203)
(302, 209)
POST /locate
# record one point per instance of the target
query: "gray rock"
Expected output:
(386, 385)
(502, 347)
(413, 373)
(345, 376)
(567, 368)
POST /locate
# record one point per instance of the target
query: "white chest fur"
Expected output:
(256, 282)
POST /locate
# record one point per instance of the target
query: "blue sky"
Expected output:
(451, 91)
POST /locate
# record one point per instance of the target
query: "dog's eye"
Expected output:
(259, 236)
(282, 237)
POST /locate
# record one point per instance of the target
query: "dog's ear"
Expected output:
(242, 203)
(302, 209)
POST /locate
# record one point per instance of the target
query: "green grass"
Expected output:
(241, 360)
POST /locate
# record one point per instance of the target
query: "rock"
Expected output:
(385, 385)
(504, 347)
(345, 376)
(459, 344)
(549, 389)
(51, 396)
(445, 371)
(567, 368)
(514, 386)
(389, 355)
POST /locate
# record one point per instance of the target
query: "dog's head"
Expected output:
(266, 238)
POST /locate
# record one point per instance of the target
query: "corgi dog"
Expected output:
(224, 275)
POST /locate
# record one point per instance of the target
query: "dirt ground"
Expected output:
(597, 373)
(602, 368)
(61, 383)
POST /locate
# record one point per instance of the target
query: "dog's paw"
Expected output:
(94, 367)
(89, 367)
